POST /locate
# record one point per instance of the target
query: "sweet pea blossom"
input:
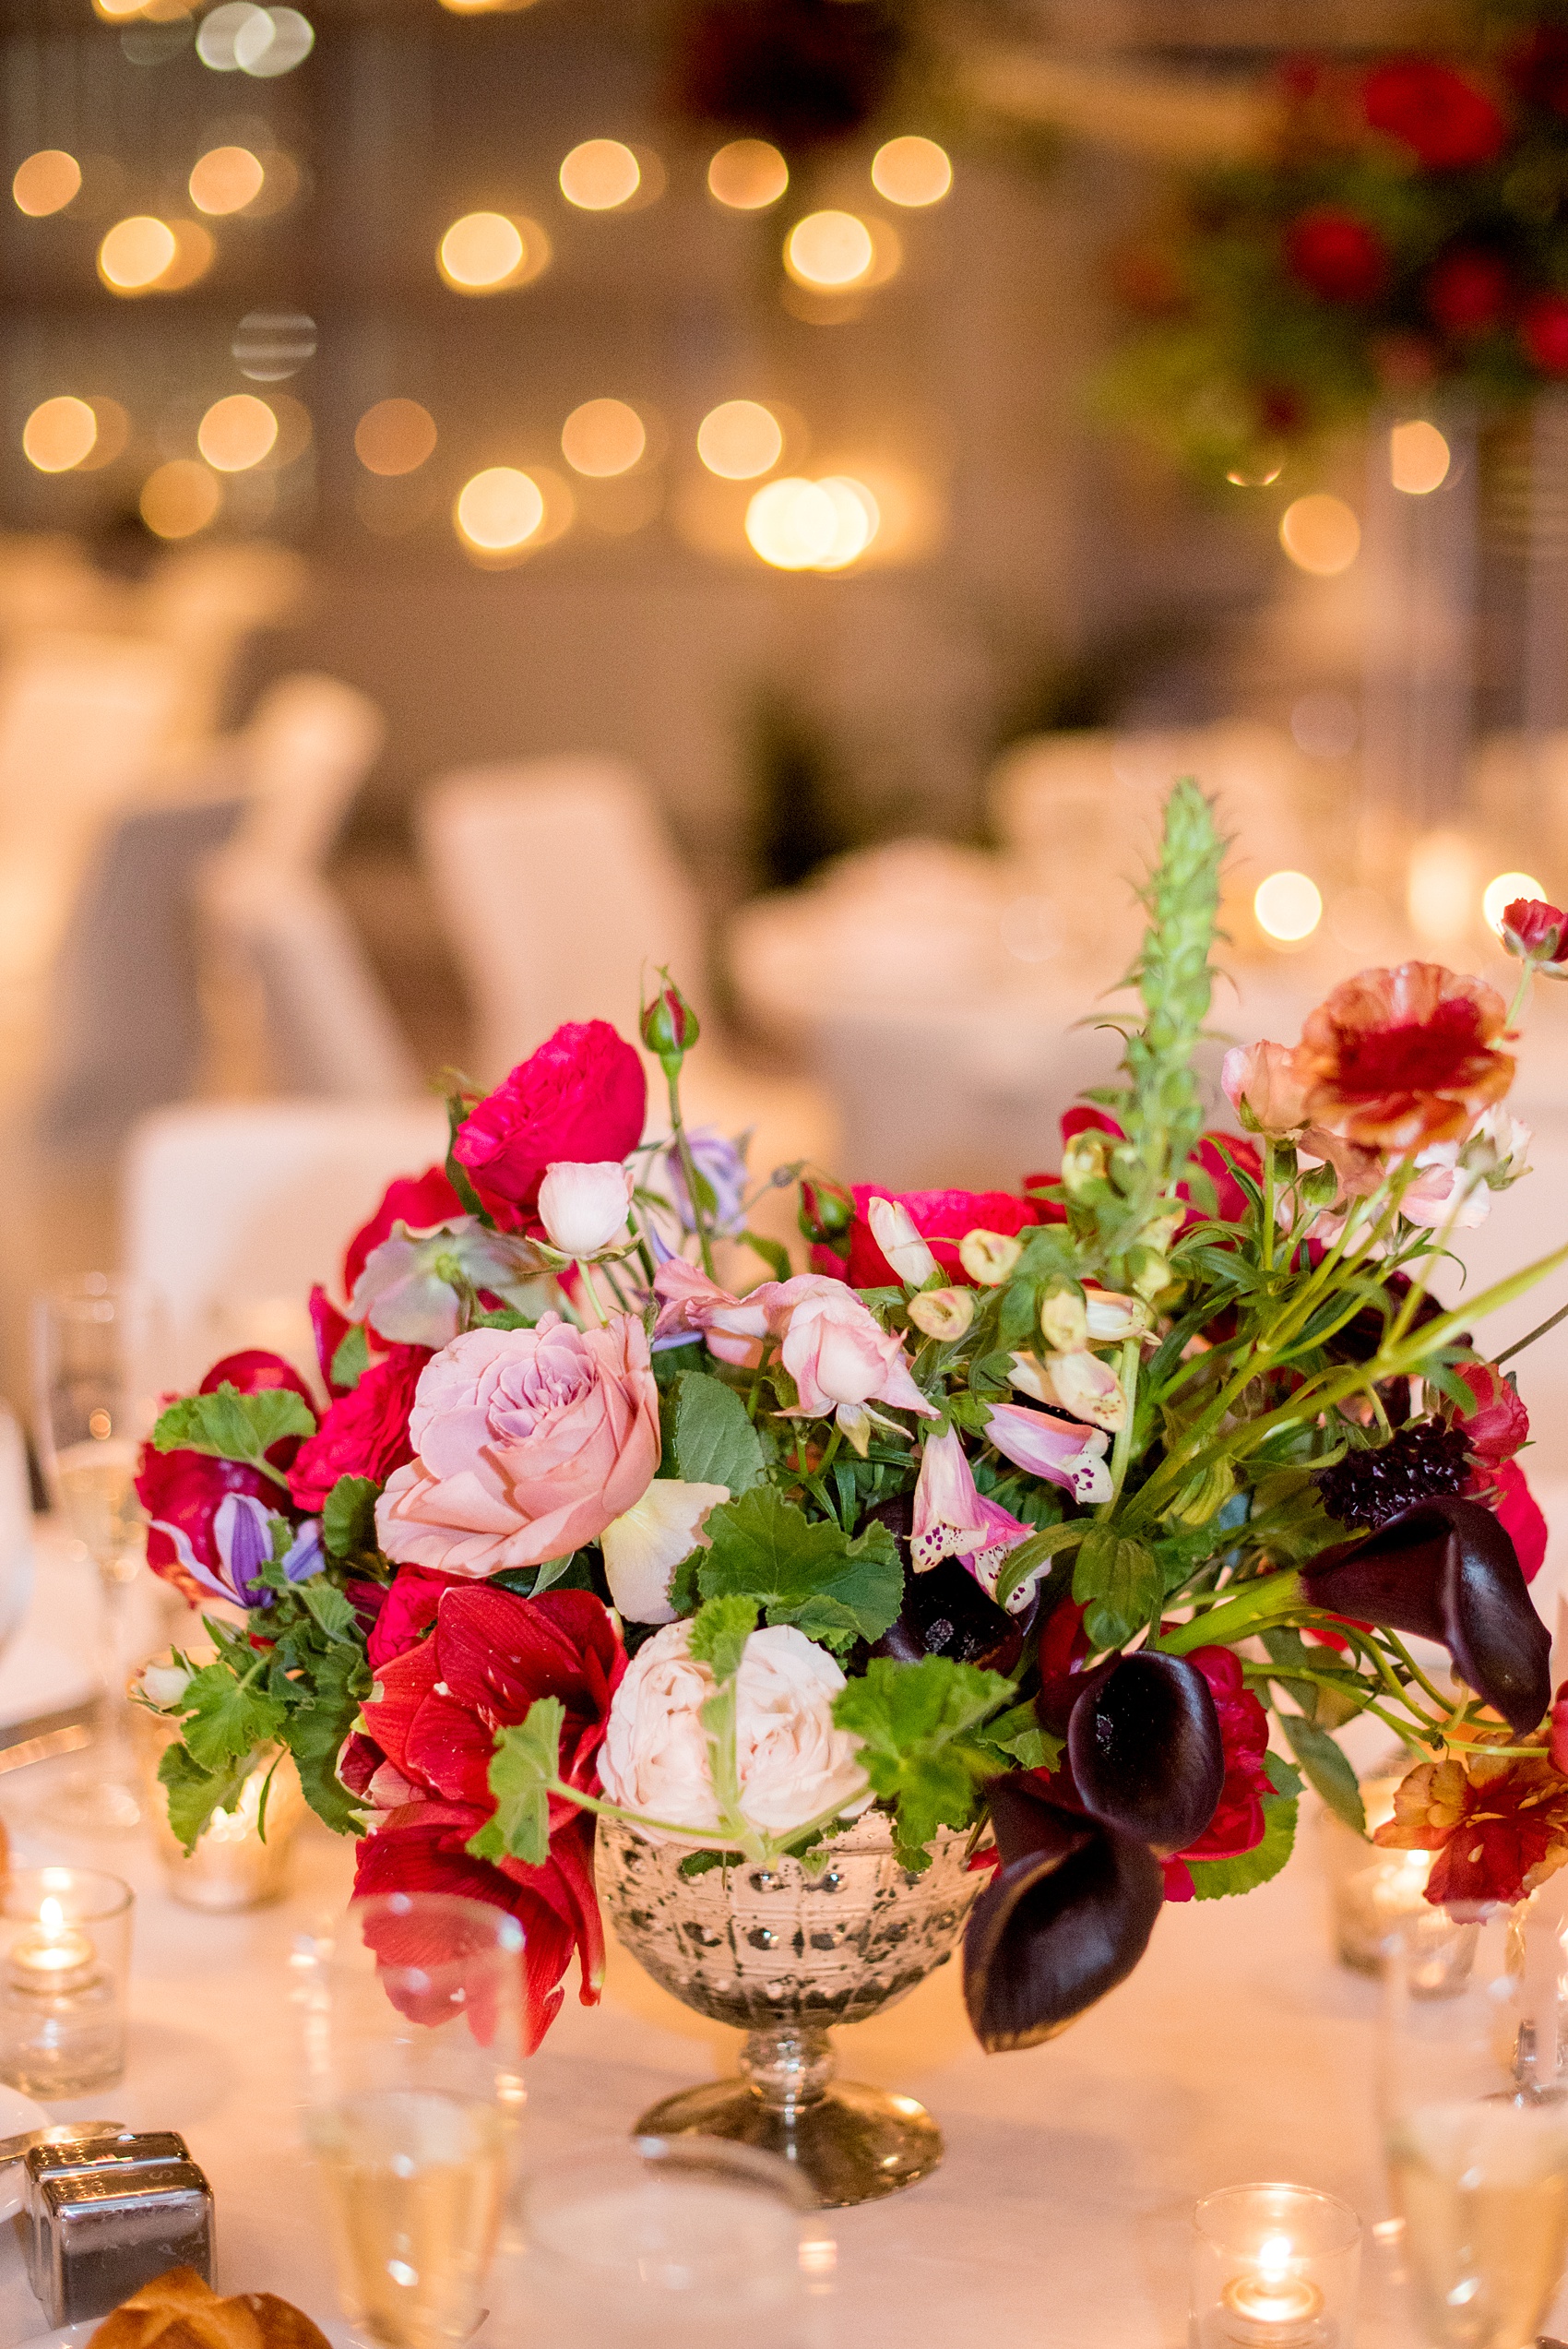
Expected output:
(841, 1361)
(1070, 1457)
(893, 1229)
(1263, 1087)
(1444, 1192)
(645, 1545)
(243, 1532)
(407, 1288)
(583, 1205)
(1079, 1383)
(953, 1518)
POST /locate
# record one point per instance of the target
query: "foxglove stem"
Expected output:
(1127, 1376)
(688, 1164)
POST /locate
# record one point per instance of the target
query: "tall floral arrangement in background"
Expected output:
(1073, 1520)
(1407, 234)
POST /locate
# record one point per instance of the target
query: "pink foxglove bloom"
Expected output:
(583, 1206)
(1070, 1457)
(645, 1545)
(953, 1518)
(988, 1256)
(1261, 1084)
(893, 1229)
(1110, 1318)
(841, 1361)
(1079, 1383)
(944, 1314)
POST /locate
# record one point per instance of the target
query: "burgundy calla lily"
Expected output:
(1066, 1918)
(1447, 1571)
(1144, 1750)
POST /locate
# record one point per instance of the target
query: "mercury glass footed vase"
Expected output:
(784, 1955)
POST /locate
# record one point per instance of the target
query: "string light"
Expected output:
(602, 437)
(237, 432)
(180, 498)
(1320, 535)
(600, 175)
(482, 253)
(499, 511)
(798, 525)
(1419, 459)
(59, 433)
(225, 179)
(1499, 895)
(46, 183)
(856, 520)
(114, 435)
(136, 253)
(740, 440)
(395, 437)
(831, 249)
(1289, 906)
(748, 175)
(912, 171)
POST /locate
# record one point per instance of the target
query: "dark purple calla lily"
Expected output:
(1066, 1918)
(1447, 1571)
(1144, 1750)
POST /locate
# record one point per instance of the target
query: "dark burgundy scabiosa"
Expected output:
(1336, 252)
(1416, 1464)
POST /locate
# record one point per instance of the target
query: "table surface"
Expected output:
(1238, 2051)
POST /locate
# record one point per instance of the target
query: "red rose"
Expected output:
(941, 1218)
(1444, 120)
(1519, 1514)
(417, 1200)
(583, 1095)
(434, 1714)
(1499, 1422)
(1466, 291)
(1544, 332)
(183, 1490)
(366, 1432)
(1336, 254)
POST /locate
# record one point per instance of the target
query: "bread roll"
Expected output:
(179, 2311)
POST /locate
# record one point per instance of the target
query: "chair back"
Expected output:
(309, 744)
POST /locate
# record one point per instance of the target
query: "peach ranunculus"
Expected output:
(1399, 1059)
(1261, 1084)
(527, 1443)
(793, 1765)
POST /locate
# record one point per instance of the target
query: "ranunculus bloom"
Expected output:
(1543, 330)
(941, 1218)
(434, 1714)
(646, 1544)
(1336, 252)
(1537, 933)
(893, 1229)
(183, 1490)
(583, 1095)
(421, 1201)
(1238, 1823)
(841, 1361)
(1061, 1453)
(1397, 1060)
(1499, 1826)
(583, 1203)
(953, 1518)
(527, 1442)
(1080, 1383)
(1444, 120)
(1498, 1424)
(1261, 1084)
(792, 1764)
(1467, 292)
(365, 1433)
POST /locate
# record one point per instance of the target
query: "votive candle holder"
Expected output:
(64, 1964)
(1274, 2267)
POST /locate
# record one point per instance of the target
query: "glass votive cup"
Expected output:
(1274, 2267)
(65, 1961)
(243, 1857)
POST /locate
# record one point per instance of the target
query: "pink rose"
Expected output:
(527, 1443)
(793, 1765)
(1262, 1087)
(582, 1096)
(841, 1361)
(365, 1433)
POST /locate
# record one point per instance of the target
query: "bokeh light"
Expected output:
(602, 437)
(1320, 535)
(46, 183)
(911, 172)
(1499, 895)
(499, 511)
(1419, 459)
(740, 440)
(792, 524)
(599, 174)
(59, 433)
(829, 249)
(857, 517)
(273, 41)
(136, 253)
(748, 175)
(482, 253)
(237, 432)
(114, 435)
(194, 255)
(180, 498)
(225, 179)
(395, 437)
(1289, 906)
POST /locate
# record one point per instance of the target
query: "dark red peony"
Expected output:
(1336, 252)
(941, 1218)
(583, 1095)
(1543, 330)
(366, 1432)
(1467, 292)
(433, 1716)
(1238, 1823)
(1442, 118)
(419, 1200)
(182, 1491)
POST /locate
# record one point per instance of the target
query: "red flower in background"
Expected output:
(1538, 68)
(1397, 1059)
(583, 1095)
(1543, 330)
(1497, 1423)
(417, 1200)
(1336, 252)
(366, 1432)
(941, 1218)
(1536, 931)
(1238, 1823)
(434, 1717)
(1444, 120)
(1467, 292)
(185, 1489)
(1519, 1514)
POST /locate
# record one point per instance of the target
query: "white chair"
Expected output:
(231, 1210)
(562, 898)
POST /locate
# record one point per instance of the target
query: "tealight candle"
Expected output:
(1274, 2267)
(63, 1979)
(54, 1959)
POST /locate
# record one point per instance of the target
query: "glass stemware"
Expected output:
(94, 1381)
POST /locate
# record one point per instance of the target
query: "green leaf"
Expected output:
(347, 1516)
(195, 1794)
(1036, 1551)
(229, 1425)
(313, 1733)
(329, 1609)
(350, 1358)
(1282, 1775)
(763, 1547)
(1219, 1879)
(522, 1770)
(714, 1442)
(224, 1721)
(700, 1863)
(1120, 1582)
(1328, 1771)
(911, 1719)
(719, 1634)
(1018, 1734)
(773, 1254)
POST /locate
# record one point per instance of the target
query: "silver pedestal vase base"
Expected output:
(784, 1955)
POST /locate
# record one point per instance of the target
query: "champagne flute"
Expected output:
(1474, 2093)
(93, 1373)
(413, 2086)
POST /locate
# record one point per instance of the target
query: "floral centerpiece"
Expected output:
(1074, 1520)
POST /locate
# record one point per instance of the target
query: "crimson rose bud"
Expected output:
(1544, 332)
(1336, 254)
(1536, 932)
(669, 1024)
(827, 1212)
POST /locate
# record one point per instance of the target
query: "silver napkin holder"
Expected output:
(101, 2220)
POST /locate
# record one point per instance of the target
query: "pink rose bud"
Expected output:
(669, 1026)
(1260, 1083)
(1537, 933)
(583, 1207)
(988, 1256)
(894, 1229)
(943, 1313)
